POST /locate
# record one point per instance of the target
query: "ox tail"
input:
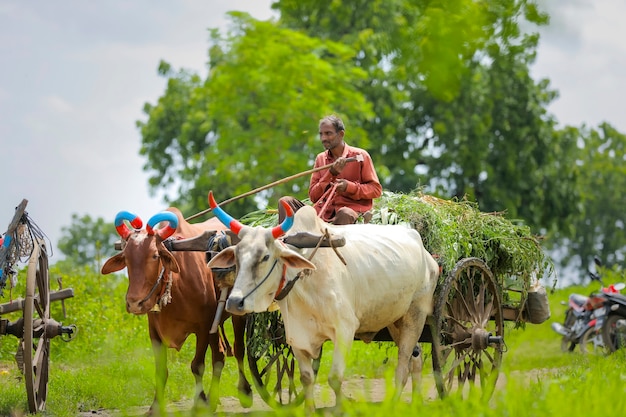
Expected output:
(224, 342)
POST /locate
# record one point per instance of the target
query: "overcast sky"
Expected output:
(75, 75)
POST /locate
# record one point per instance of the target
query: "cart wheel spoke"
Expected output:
(487, 314)
(268, 367)
(271, 361)
(468, 311)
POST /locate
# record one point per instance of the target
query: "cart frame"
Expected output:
(34, 328)
(466, 330)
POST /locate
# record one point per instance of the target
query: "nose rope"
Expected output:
(260, 283)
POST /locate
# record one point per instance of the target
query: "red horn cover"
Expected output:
(121, 227)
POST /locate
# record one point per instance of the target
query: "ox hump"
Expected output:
(184, 228)
(306, 219)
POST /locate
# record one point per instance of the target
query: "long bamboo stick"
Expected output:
(273, 184)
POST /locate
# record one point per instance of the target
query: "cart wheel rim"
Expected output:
(468, 330)
(35, 343)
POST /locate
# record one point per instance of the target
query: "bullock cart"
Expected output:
(34, 327)
(490, 271)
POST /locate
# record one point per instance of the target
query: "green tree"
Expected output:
(457, 110)
(407, 48)
(440, 93)
(599, 230)
(254, 119)
(87, 241)
(496, 144)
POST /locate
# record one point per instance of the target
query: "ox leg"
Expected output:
(198, 367)
(416, 365)
(307, 378)
(217, 361)
(335, 377)
(243, 386)
(161, 374)
(404, 333)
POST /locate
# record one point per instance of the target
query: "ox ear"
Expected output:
(295, 260)
(114, 264)
(169, 261)
(224, 259)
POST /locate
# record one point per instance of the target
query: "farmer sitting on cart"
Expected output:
(346, 190)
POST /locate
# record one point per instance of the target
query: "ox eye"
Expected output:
(265, 258)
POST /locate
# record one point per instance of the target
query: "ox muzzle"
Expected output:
(234, 305)
(137, 307)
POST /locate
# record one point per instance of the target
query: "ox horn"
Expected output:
(224, 217)
(236, 226)
(122, 228)
(168, 230)
(282, 228)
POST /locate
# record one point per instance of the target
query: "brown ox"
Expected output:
(177, 292)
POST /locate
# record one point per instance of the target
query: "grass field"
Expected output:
(109, 366)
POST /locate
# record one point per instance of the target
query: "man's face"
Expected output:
(329, 137)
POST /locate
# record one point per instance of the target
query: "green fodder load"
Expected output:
(457, 229)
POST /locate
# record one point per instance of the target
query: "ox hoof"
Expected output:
(204, 403)
(202, 407)
(154, 411)
(245, 399)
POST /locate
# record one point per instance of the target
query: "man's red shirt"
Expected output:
(363, 184)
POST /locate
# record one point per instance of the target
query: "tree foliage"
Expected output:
(87, 241)
(467, 119)
(440, 93)
(254, 119)
(600, 228)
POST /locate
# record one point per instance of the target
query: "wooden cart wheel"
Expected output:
(468, 330)
(35, 344)
(271, 360)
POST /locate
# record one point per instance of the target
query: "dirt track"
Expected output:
(372, 390)
(358, 389)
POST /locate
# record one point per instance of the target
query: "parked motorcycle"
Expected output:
(598, 322)
(613, 322)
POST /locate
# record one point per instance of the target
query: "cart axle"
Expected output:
(51, 329)
(482, 339)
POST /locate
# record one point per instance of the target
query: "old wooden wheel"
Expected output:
(468, 330)
(271, 361)
(35, 344)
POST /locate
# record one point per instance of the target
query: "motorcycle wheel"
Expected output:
(614, 332)
(570, 318)
(591, 343)
(567, 345)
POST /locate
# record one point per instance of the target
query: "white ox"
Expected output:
(388, 280)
